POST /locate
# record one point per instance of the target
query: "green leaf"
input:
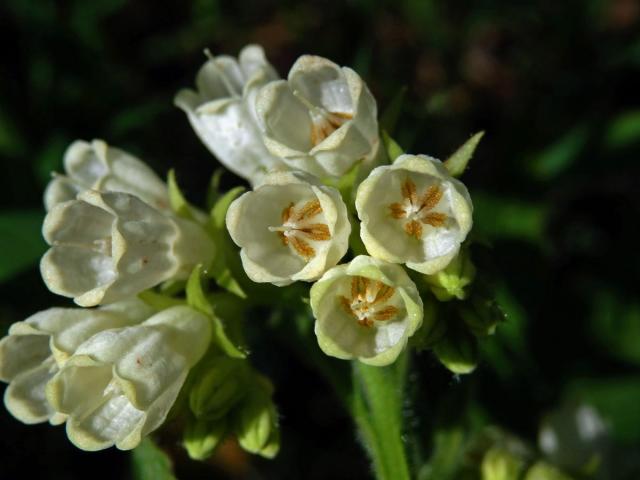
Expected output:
(389, 118)
(21, 241)
(151, 463)
(623, 130)
(458, 161)
(500, 217)
(615, 324)
(561, 155)
(196, 298)
(391, 147)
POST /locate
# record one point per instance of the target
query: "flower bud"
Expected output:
(366, 309)
(98, 166)
(109, 246)
(545, 471)
(450, 282)
(221, 383)
(201, 437)
(257, 424)
(321, 120)
(119, 385)
(414, 212)
(289, 228)
(37, 347)
(500, 464)
(221, 111)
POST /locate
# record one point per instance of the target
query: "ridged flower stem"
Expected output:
(377, 411)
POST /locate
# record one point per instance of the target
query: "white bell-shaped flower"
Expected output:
(34, 350)
(289, 228)
(120, 384)
(109, 246)
(414, 212)
(322, 119)
(98, 166)
(366, 309)
(222, 114)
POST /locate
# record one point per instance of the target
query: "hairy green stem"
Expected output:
(377, 411)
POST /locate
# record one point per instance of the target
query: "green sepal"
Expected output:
(451, 282)
(201, 437)
(256, 421)
(345, 184)
(391, 147)
(481, 314)
(179, 204)
(220, 269)
(433, 327)
(220, 384)
(458, 161)
(197, 299)
(158, 301)
(149, 462)
(500, 464)
(213, 190)
(458, 351)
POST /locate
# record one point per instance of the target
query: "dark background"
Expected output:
(555, 85)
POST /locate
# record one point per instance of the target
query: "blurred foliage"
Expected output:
(554, 182)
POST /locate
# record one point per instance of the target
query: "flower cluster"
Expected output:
(378, 236)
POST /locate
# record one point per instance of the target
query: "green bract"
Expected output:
(414, 212)
(366, 309)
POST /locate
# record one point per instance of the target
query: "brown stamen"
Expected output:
(302, 247)
(413, 229)
(434, 219)
(431, 198)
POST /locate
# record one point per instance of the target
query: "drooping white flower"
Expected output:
(109, 246)
(98, 166)
(322, 119)
(414, 212)
(366, 309)
(289, 228)
(34, 350)
(222, 114)
(120, 384)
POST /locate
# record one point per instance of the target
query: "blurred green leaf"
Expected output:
(389, 118)
(623, 130)
(21, 241)
(49, 159)
(501, 217)
(151, 463)
(615, 324)
(561, 155)
(616, 399)
(11, 141)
